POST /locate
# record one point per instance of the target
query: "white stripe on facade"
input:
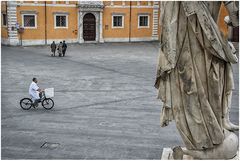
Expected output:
(117, 6)
(48, 5)
(30, 42)
(73, 5)
(49, 41)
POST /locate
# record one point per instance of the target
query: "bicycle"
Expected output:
(27, 103)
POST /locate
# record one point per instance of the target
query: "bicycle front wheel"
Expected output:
(26, 103)
(48, 103)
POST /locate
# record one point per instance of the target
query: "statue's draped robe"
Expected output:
(194, 75)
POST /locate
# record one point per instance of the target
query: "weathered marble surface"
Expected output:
(194, 78)
(167, 155)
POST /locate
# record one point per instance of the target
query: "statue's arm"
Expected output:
(233, 13)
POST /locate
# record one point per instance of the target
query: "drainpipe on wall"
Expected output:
(45, 22)
(130, 15)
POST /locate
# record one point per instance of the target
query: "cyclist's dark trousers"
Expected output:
(36, 102)
(40, 95)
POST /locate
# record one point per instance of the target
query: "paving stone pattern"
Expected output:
(105, 103)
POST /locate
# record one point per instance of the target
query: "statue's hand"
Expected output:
(232, 57)
(229, 22)
(233, 11)
(234, 51)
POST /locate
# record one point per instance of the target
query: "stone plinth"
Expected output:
(167, 155)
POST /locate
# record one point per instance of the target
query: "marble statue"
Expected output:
(195, 79)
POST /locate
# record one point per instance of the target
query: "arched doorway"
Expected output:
(89, 27)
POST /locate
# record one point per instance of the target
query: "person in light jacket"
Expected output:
(60, 49)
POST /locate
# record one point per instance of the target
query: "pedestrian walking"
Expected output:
(60, 49)
(64, 47)
(53, 48)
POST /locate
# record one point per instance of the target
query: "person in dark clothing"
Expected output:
(53, 48)
(64, 47)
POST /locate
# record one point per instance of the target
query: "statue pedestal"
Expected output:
(167, 155)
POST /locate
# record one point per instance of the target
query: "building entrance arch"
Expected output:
(89, 27)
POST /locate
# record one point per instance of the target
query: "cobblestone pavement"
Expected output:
(105, 103)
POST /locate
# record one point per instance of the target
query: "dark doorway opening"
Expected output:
(89, 27)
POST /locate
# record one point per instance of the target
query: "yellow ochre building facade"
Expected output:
(41, 22)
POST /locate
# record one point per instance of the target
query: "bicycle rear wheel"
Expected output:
(26, 103)
(48, 103)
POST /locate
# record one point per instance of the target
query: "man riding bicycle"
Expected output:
(35, 92)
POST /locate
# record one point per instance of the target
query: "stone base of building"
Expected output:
(49, 41)
(133, 39)
(11, 42)
(31, 42)
(34, 42)
(4, 41)
(167, 155)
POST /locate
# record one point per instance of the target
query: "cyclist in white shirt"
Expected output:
(35, 91)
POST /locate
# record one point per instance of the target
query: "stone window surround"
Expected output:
(29, 14)
(118, 14)
(60, 14)
(140, 15)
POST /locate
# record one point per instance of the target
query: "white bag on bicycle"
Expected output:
(49, 92)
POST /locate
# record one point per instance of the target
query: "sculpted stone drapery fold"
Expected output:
(194, 74)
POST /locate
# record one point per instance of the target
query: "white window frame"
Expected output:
(139, 21)
(55, 21)
(6, 20)
(29, 14)
(122, 21)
